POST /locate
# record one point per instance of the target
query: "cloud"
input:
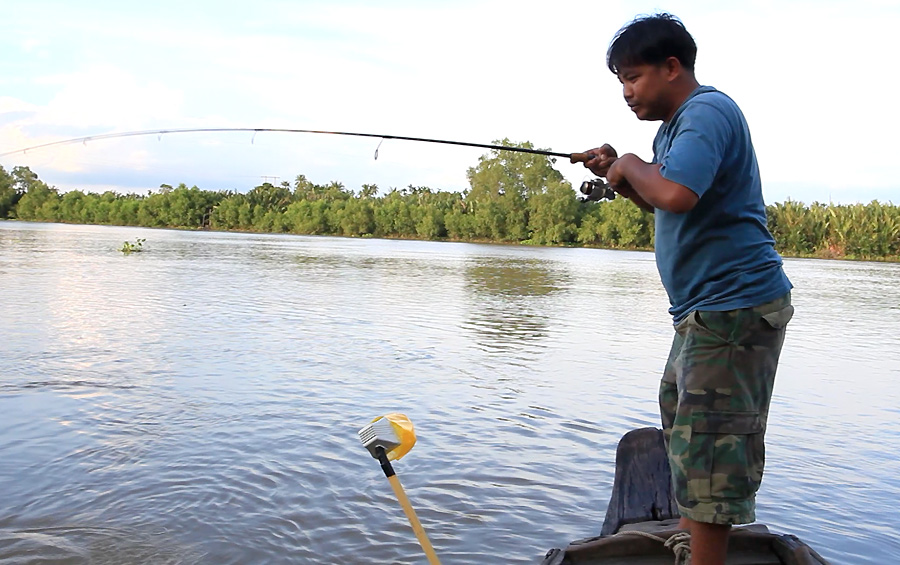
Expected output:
(9, 105)
(106, 96)
(94, 100)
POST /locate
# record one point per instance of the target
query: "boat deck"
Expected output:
(642, 516)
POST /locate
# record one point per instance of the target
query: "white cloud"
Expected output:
(9, 105)
(103, 96)
(91, 101)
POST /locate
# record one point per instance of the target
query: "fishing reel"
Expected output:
(596, 190)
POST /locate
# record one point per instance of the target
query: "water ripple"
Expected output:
(199, 402)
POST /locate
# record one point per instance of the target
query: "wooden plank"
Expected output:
(737, 558)
(643, 486)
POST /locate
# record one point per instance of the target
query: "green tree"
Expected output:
(616, 224)
(500, 186)
(368, 191)
(9, 193)
(511, 197)
(307, 217)
(39, 201)
(358, 218)
(553, 215)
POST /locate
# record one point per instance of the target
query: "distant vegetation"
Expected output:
(136, 247)
(512, 198)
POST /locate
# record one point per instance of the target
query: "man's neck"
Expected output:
(682, 91)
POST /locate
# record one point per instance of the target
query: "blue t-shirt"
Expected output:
(719, 255)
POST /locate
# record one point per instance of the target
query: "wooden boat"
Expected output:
(641, 525)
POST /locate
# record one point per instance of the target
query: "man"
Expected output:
(730, 298)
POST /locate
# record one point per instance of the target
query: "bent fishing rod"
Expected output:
(572, 157)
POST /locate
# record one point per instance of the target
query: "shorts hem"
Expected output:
(720, 518)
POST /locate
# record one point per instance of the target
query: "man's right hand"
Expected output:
(601, 159)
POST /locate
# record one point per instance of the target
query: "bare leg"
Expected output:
(709, 542)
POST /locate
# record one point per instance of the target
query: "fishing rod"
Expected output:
(573, 157)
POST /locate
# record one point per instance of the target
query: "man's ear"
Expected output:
(673, 68)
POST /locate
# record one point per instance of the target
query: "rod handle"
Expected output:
(580, 157)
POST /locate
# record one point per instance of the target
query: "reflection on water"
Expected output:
(514, 277)
(199, 402)
(510, 302)
(96, 546)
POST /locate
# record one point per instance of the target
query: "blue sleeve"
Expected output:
(699, 144)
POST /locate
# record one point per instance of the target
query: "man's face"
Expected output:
(647, 90)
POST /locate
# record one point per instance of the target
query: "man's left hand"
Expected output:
(616, 174)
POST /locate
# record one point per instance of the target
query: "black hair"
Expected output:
(651, 40)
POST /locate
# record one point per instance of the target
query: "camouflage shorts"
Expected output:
(714, 400)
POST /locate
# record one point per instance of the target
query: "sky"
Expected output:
(815, 79)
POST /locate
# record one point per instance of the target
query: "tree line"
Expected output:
(512, 198)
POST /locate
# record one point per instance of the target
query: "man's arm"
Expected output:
(632, 195)
(630, 171)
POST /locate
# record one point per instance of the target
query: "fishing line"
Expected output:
(573, 157)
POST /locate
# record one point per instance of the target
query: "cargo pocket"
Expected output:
(727, 455)
(779, 318)
(711, 324)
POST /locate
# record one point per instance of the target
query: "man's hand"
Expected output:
(605, 162)
(617, 180)
(601, 160)
(616, 173)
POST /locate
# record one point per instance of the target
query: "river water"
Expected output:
(199, 402)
